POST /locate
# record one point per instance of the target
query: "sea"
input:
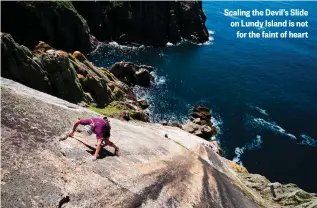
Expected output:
(262, 92)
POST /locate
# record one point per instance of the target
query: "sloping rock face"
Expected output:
(148, 23)
(40, 167)
(39, 170)
(55, 22)
(68, 76)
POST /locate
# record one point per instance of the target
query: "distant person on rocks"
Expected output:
(101, 127)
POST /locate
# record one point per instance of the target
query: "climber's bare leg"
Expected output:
(111, 144)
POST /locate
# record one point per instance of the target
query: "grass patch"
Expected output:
(177, 142)
(107, 111)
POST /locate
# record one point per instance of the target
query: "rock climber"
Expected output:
(101, 127)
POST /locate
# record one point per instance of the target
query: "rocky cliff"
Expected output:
(148, 23)
(159, 166)
(55, 22)
(74, 25)
(72, 77)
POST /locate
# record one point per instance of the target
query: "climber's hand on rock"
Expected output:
(71, 134)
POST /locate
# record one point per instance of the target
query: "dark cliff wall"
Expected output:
(73, 25)
(57, 23)
(148, 23)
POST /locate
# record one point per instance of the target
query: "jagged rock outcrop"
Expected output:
(56, 22)
(133, 74)
(68, 76)
(148, 23)
(200, 123)
(18, 64)
(130, 109)
(284, 195)
(62, 76)
(40, 167)
(144, 103)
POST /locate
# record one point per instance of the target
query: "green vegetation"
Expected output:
(177, 142)
(107, 111)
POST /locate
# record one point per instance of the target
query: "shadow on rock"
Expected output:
(102, 154)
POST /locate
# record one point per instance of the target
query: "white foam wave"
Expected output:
(169, 44)
(271, 126)
(307, 140)
(100, 44)
(210, 39)
(209, 42)
(217, 122)
(238, 151)
(260, 123)
(159, 80)
(260, 110)
(117, 45)
(211, 32)
(253, 145)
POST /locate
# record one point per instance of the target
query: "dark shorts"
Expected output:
(106, 135)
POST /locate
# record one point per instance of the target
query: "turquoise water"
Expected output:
(262, 92)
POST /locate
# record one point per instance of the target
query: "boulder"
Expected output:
(190, 127)
(132, 74)
(62, 76)
(131, 110)
(144, 103)
(197, 121)
(140, 115)
(79, 56)
(125, 72)
(175, 124)
(149, 68)
(55, 22)
(200, 123)
(201, 112)
(98, 89)
(143, 77)
(42, 47)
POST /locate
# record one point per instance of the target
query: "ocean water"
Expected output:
(262, 92)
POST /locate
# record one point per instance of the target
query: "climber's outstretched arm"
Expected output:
(71, 134)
